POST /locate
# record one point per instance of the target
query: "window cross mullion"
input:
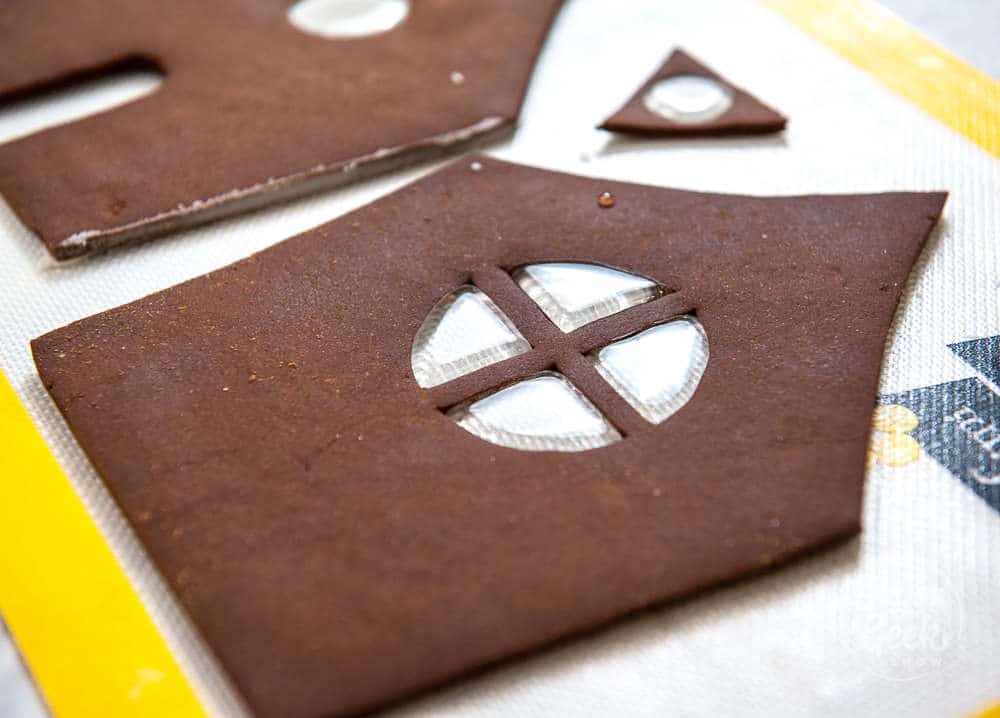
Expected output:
(518, 306)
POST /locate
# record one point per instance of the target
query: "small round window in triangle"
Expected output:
(689, 99)
(343, 19)
(655, 370)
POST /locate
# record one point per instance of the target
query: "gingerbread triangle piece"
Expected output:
(252, 110)
(685, 98)
(344, 535)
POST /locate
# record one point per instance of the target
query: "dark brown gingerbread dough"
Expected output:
(252, 111)
(340, 543)
(746, 115)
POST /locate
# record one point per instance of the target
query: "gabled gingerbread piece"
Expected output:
(719, 108)
(252, 110)
(341, 542)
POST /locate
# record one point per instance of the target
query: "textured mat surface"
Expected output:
(911, 603)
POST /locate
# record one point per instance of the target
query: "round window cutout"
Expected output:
(688, 99)
(347, 18)
(656, 369)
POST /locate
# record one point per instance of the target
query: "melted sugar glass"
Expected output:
(573, 295)
(465, 331)
(656, 370)
(347, 18)
(543, 413)
(689, 99)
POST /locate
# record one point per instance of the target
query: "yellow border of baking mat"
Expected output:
(79, 624)
(120, 665)
(874, 39)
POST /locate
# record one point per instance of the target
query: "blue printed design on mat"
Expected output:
(983, 355)
(960, 428)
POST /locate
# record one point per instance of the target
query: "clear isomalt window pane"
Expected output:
(465, 331)
(688, 98)
(656, 370)
(543, 413)
(347, 18)
(574, 294)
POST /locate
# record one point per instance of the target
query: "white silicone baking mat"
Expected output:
(904, 621)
